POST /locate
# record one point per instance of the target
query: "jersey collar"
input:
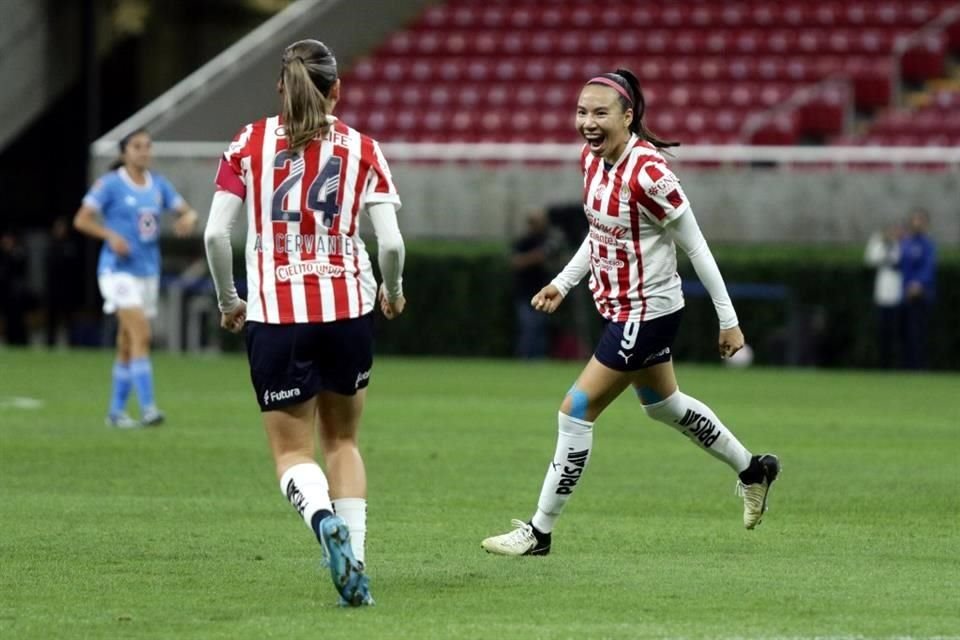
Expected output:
(122, 171)
(631, 143)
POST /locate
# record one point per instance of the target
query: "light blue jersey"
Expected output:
(133, 212)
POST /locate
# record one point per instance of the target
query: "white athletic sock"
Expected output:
(699, 423)
(574, 440)
(354, 513)
(305, 486)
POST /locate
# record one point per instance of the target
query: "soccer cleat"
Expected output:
(522, 541)
(348, 577)
(121, 421)
(755, 494)
(152, 417)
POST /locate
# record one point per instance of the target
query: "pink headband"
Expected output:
(613, 85)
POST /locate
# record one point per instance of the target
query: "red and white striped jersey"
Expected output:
(305, 259)
(633, 262)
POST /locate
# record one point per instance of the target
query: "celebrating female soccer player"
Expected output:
(305, 178)
(637, 213)
(130, 199)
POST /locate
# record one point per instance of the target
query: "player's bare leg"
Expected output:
(597, 386)
(290, 433)
(338, 421)
(662, 400)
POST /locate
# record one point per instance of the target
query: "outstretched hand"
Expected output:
(547, 299)
(731, 341)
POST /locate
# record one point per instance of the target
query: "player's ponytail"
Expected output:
(309, 72)
(637, 126)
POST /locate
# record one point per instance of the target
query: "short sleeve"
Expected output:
(230, 173)
(658, 192)
(99, 195)
(379, 187)
(170, 199)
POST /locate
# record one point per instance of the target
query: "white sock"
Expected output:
(699, 423)
(354, 513)
(305, 486)
(574, 440)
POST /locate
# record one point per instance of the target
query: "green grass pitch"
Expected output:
(181, 531)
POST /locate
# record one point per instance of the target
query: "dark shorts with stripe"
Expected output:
(291, 363)
(631, 346)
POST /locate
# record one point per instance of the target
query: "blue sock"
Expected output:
(142, 374)
(121, 387)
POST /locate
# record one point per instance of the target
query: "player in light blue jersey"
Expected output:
(123, 209)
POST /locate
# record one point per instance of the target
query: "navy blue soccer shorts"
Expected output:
(291, 363)
(634, 345)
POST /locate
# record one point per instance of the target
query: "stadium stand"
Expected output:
(749, 72)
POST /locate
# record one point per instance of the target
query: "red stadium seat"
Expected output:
(512, 69)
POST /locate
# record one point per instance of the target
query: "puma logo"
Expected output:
(626, 358)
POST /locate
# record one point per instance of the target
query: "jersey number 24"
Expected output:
(322, 194)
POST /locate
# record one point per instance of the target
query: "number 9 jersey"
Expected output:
(305, 259)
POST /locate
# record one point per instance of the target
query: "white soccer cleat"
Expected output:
(121, 421)
(522, 541)
(152, 417)
(755, 494)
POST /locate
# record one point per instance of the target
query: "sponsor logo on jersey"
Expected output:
(572, 470)
(663, 183)
(311, 268)
(607, 264)
(613, 230)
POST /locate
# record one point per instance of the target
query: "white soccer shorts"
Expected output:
(126, 291)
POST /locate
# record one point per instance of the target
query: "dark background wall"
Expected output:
(130, 51)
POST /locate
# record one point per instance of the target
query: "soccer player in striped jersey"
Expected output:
(637, 214)
(123, 208)
(304, 178)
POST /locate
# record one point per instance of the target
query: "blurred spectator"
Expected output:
(918, 268)
(63, 264)
(531, 260)
(14, 293)
(883, 254)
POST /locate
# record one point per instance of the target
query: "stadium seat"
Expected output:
(706, 66)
